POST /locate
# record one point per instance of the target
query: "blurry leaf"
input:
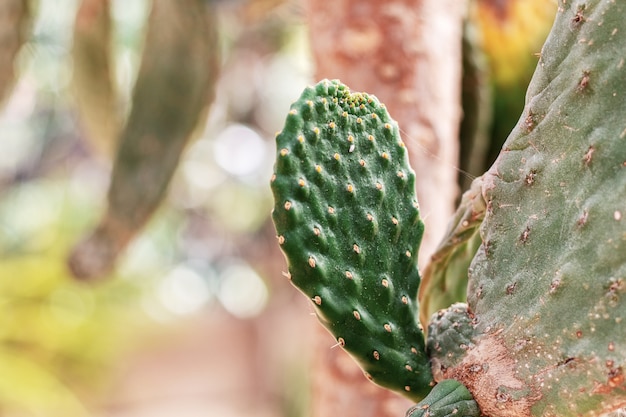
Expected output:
(57, 337)
(29, 389)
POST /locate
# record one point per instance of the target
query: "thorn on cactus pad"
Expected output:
(530, 177)
(529, 121)
(588, 155)
(524, 236)
(579, 17)
(583, 84)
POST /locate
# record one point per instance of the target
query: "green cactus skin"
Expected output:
(547, 288)
(444, 281)
(450, 335)
(449, 398)
(347, 220)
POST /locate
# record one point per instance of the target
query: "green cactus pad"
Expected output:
(449, 398)
(450, 334)
(548, 285)
(348, 223)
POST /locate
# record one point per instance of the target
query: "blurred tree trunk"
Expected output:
(408, 54)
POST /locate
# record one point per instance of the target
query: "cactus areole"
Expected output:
(543, 332)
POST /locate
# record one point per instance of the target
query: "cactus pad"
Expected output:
(347, 220)
(448, 398)
(548, 286)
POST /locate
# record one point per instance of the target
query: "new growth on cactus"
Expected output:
(538, 244)
(347, 218)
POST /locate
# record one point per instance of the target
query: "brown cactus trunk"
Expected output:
(408, 54)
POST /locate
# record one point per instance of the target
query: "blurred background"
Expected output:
(193, 322)
(197, 319)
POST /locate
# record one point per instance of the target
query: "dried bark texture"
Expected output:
(408, 54)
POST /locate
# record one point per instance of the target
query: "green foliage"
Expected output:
(348, 222)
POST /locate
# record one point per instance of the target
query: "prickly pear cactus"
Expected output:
(448, 398)
(347, 220)
(174, 88)
(547, 288)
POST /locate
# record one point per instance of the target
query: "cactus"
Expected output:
(546, 288)
(543, 332)
(444, 280)
(448, 398)
(348, 221)
(174, 87)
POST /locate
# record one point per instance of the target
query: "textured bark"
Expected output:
(408, 54)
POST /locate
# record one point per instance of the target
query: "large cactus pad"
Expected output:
(548, 285)
(347, 220)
